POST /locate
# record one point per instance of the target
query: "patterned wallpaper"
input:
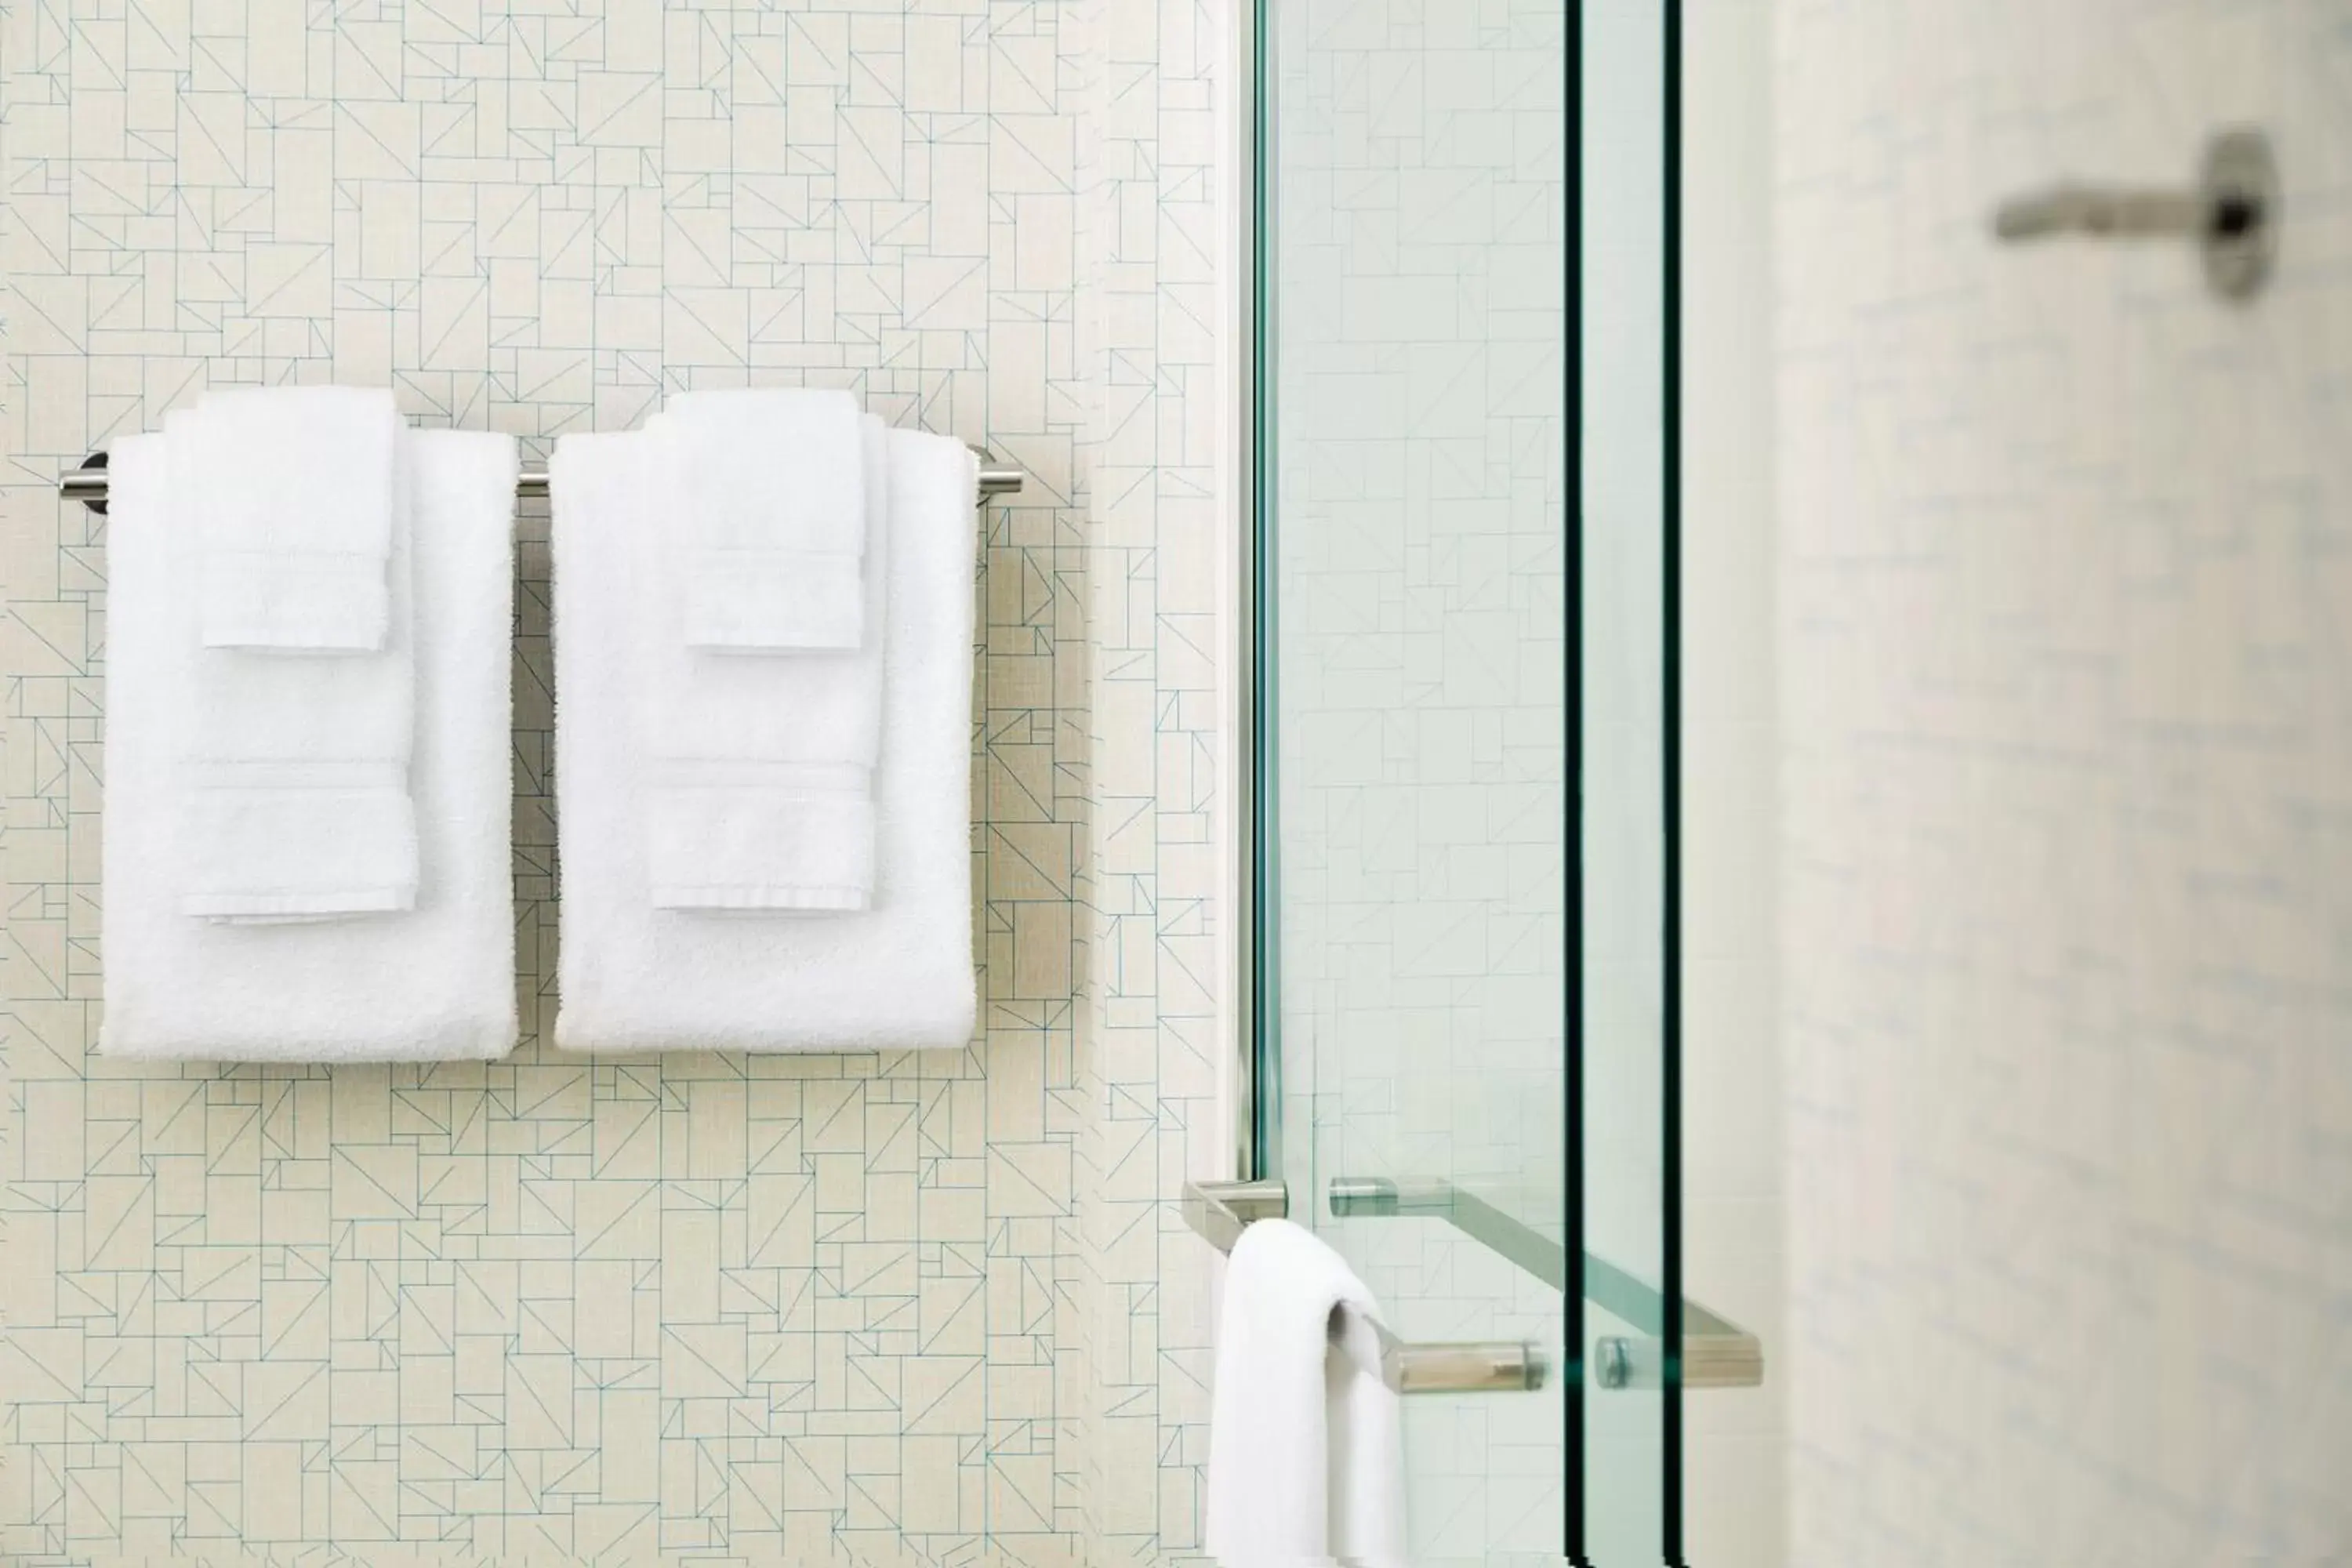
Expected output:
(2066, 547)
(616, 1310)
(1149, 298)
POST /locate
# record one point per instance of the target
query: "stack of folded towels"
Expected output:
(764, 624)
(308, 797)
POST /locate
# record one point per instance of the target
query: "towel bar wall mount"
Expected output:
(87, 484)
(1220, 1211)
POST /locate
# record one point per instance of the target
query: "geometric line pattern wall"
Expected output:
(773, 1309)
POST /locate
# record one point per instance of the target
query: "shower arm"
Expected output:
(1220, 1211)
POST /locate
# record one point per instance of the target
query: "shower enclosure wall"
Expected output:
(1464, 937)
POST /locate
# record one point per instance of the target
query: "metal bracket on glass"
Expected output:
(1220, 1211)
(1717, 1353)
(1475, 1366)
(2232, 213)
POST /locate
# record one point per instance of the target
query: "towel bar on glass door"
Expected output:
(1717, 1353)
(87, 484)
(1220, 1210)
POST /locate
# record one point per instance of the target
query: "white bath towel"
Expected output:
(1305, 1441)
(293, 494)
(292, 765)
(775, 521)
(761, 791)
(434, 983)
(898, 975)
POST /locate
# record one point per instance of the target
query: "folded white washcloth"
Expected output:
(634, 976)
(294, 765)
(1305, 1440)
(434, 983)
(761, 791)
(293, 490)
(775, 517)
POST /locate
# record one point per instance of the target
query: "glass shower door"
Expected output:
(1463, 905)
(1631, 1460)
(1415, 223)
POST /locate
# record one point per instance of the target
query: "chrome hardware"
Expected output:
(1379, 1197)
(1493, 1366)
(1710, 1361)
(1717, 1353)
(2232, 214)
(1220, 1211)
(87, 484)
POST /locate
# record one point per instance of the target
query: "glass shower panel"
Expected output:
(1415, 219)
(1630, 1469)
(1466, 904)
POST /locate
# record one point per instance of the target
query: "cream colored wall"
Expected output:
(1155, 160)
(2064, 558)
(774, 1308)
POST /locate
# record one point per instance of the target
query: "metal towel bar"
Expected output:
(1717, 1353)
(87, 484)
(1219, 1211)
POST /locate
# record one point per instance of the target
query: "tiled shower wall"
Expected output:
(1419, 263)
(766, 1308)
(2065, 547)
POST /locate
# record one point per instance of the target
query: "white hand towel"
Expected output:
(293, 492)
(294, 766)
(775, 522)
(897, 976)
(1305, 1441)
(761, 792)
(434, 983)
